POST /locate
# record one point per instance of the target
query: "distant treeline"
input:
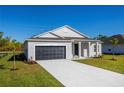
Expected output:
(9, 44)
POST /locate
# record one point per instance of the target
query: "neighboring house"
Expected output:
(61, 43)
(118, 49)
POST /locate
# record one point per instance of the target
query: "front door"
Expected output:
(76, 49)
(85, 52)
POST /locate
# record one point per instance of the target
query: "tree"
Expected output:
(6, 44)
(3, 44)
(1, 35)
(9, 38)
(114, 42)
(14, 41)
(18, 46)
(101, 37)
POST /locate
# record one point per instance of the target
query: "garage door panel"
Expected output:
(50, 52)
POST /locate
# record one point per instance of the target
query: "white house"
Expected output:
(108, 47)
(61, 43)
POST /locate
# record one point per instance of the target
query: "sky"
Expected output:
(22, 22)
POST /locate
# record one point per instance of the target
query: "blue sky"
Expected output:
(22, 22)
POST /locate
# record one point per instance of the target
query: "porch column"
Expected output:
(97, 49)
(100, 49)
(89, 49)
(79, 49)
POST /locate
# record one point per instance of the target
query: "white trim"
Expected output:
(76, 31)
(56, 35)
(48, 32)
(51, 31)
(38, 36)
(97, 49)
(32, 45)
(87, 40)
(72, 40)
(89, 49)
(47, 40)
(79, 49)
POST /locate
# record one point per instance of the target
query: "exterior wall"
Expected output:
(87, 49)
(119, 49)
(31, 48)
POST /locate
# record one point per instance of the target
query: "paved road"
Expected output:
(73, 74)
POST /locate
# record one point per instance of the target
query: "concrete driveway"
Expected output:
(73, 74)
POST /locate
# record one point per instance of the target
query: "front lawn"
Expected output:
(27, 75)
(106, 63)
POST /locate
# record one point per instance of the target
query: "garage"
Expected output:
(50, 52)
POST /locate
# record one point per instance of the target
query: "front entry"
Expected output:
(85, 53)
(76, 49)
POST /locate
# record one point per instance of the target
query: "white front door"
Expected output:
(85, 52)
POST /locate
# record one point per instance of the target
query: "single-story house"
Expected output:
(108, 47)
(61, 43)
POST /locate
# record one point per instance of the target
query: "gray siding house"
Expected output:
(108, 47)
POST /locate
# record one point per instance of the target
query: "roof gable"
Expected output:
(62, 32)
(46, 35)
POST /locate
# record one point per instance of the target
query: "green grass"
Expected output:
(106, 63)
(27, 75)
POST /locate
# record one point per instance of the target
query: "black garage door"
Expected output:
(50, 52)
